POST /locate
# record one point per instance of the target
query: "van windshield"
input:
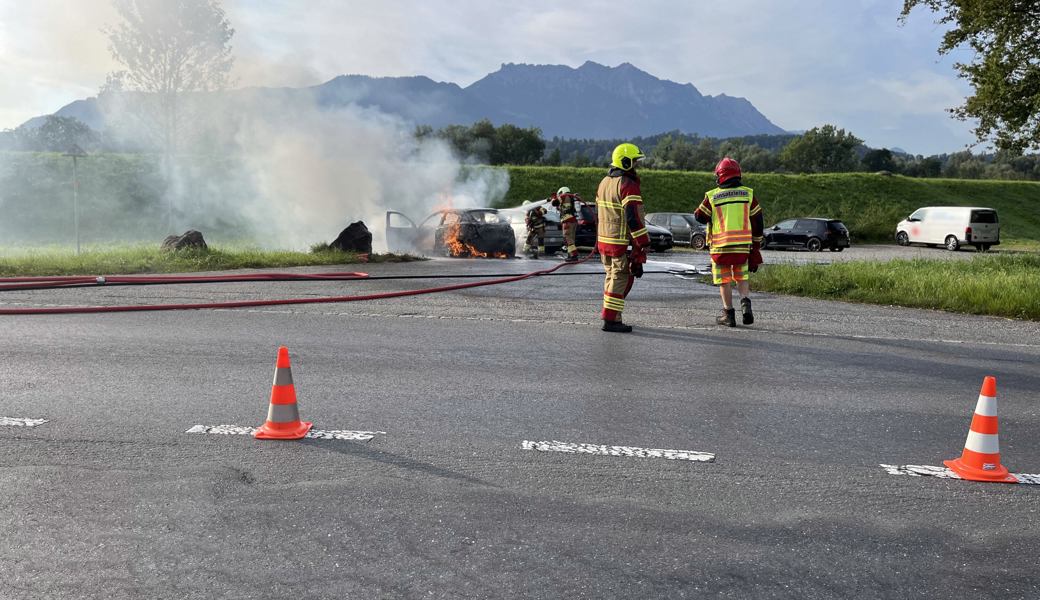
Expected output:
(983, 216)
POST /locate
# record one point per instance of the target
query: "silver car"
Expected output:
(686, 231)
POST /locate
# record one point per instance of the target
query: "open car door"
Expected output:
(401, 232)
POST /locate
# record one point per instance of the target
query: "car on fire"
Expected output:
(456, 232)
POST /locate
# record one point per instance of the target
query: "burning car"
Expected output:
(457, 232)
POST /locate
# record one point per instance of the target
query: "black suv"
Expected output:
(812, 234)
(685, 229)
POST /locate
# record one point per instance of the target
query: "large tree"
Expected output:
(1004, 36)
(170, 49)
(822, 150)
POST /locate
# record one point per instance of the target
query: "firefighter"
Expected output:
(563, 200)
(535, 222)
(734, 218)
(620, 207)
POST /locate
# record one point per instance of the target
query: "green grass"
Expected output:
(1005, 285)
(870, 205)
(125, 260)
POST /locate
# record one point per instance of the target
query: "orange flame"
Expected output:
(457, 247)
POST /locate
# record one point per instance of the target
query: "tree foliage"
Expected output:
(1004, 36)
(824, 149)
(170, 49)
(503, 145)
(56, 134)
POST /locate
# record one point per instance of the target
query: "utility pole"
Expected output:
(76, 153)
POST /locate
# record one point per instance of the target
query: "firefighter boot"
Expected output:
(616, 327)
(745, 311)
(728, 317)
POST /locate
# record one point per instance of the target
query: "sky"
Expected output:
(802, 63)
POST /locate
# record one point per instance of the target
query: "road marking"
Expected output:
(945, 473)
(318, 434)
(21, 422)
(626, 451)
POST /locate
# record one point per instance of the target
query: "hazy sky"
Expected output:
(802, 63)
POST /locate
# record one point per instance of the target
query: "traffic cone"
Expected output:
(981, 458)
(283, 418)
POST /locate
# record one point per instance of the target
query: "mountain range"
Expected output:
(592, 101)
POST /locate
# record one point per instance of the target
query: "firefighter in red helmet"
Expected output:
(734, 218)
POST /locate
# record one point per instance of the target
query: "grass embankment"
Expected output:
(149, 259)
(869, 205)
(1005, 285)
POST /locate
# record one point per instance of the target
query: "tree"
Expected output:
(171, 49)
(879, 160)
(1004, 36)
(56, 134)
(822, 150)
(554, 159)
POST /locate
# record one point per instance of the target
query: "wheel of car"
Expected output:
(837, 248)
(902, 239)
(697, 241)
(814, 245)
(952, 243)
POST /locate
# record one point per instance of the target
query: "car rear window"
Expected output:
(837, 226)
(983, 216)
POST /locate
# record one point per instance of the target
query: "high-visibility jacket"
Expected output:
(619, 208)
(731, 212)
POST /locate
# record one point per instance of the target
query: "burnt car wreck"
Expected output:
(455, 232)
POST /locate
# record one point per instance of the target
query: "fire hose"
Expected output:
(38, 283)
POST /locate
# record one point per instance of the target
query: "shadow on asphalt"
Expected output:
(395, 460)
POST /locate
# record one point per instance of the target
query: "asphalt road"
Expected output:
(112, 499)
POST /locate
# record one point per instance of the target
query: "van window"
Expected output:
(919, 215)
(984, 216)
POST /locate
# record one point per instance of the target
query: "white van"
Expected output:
(951, 226)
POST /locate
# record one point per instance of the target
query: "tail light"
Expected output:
(967, 234)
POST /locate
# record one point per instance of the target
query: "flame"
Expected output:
(457, 247)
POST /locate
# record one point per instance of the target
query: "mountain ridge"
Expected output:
(592, 101)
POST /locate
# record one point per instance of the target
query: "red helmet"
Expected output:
(726, 169)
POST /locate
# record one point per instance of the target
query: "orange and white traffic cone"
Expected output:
(981, 458)
(283, 417)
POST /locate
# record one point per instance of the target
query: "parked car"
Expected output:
(810, 233)
(661, 239)
(686, 231)
(475, 232)
(517, 217)
(951, 226)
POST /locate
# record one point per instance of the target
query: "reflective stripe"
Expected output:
(628, 199)
(609, 204)
(283, 376)
(984, 424)
(640, 232)
(613, 241)
(986, 406)
(613, 303)
(283, 413)
(983, 443)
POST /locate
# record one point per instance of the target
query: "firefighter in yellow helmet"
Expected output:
(563, 200)
(734, 219)
(619, 205)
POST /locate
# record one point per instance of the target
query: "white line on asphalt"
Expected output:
(945, 473)
(318, 434)
(627, 451)
(21, 422)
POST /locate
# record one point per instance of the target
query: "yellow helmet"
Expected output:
(625, 156)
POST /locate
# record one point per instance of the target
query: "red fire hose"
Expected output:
(25, 283)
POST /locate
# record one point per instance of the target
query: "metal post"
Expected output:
(75, 152)
(75, 199)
